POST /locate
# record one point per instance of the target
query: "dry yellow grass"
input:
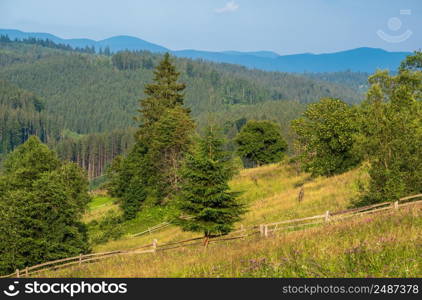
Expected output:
(383, 246)
(275, 195)
(386, 245)
(271, 195)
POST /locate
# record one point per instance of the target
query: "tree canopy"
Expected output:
(391, 133)
(41, 205)
(326, 137)
(260, 142)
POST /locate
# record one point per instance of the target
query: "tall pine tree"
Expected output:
(205, 199)
(151, 169)
(164, 93)
(165, 127)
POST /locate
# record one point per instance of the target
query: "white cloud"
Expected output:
(230, 6)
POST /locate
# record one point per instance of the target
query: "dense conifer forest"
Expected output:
(85, 102)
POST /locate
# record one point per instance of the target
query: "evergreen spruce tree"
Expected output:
(172, 139)
(165, 129)
(165, 126)
(133, 198)
(205, 199)
(126, 180)
(165, 92)
(115, 184)
(41, 205)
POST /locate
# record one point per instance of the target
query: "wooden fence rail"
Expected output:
(263, 229)
(152, 229)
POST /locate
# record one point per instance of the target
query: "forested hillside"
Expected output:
(96, 93)
(355, 80)
(92, 99)
(22, 114)
(94, 151)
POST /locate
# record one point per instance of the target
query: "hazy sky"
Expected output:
(283, 26)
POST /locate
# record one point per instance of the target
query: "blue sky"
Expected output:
(286, 27)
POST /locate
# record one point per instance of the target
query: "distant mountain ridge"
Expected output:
(357, 60)
(116, 43)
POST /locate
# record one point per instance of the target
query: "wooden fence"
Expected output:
(264, 230)
(152, 229)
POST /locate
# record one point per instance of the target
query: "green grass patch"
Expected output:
(105, 220)
(100, 201)
(149, 217)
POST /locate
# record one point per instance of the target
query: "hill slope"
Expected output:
(92, 99)
(384, 245)
(22, 114)
(96, 94)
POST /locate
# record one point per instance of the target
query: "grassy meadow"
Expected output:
(385, 245)
(375, 246)
(270, 193)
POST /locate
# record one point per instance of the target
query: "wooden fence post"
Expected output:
(17, 273)
(327, 216)
(80, 259)
(396, 205)
(206, 242)
(154, 245)
(261, 229)
(241, 227)
(266, 230)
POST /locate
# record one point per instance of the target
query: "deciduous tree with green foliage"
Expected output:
(260, 142)
(41, 206)
(391, 133)
(412, 62)
(205, 199)
(325, 137)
